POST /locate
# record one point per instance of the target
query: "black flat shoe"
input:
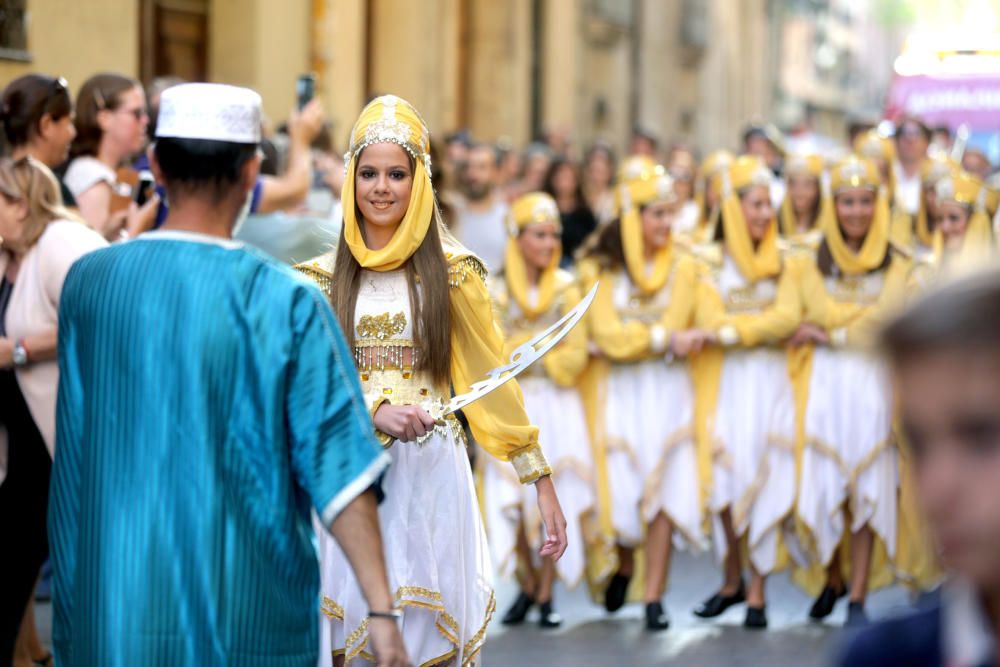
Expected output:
(614, 596)
(519, 610)
(756, 618)
(656, 618)
(719, 603)
(856, 616)
(823, 606)
(549, 618)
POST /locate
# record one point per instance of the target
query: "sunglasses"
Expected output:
(138, 113)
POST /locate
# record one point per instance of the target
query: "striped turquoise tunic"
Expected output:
(207, 404)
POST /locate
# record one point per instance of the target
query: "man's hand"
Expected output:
(405, 423)
(387, 643)
(305, 125)
(552, 517)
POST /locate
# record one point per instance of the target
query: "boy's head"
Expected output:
(945, 356)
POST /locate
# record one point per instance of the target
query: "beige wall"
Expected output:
(261, 44)
(76, 39)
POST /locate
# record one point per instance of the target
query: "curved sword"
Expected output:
(522, 357)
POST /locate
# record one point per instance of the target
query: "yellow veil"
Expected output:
(764, 261)
(967, 190)
(854, 172)
(530, 209)
(801, 165)
(389, 119)
(653, 186)
(931, 171)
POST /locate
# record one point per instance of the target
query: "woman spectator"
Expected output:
(40, 240)
(563, 184)
(111, 122)
(598, 181)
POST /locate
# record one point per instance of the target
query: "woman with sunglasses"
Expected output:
(111, 120)
(39, 240)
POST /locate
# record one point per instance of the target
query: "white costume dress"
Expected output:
(553, 404)
(849, 454)
(649, 410)
(435, 547)
(753, 427)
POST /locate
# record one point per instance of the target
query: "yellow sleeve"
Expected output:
(566, 361)
(621, 341)
(498, 420)
(773, 325)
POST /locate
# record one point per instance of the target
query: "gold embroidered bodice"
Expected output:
(383, 323)
(634, 306)
(864, 289)
(739, 295)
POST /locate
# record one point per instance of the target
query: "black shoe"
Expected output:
(549, 618)
(614, 596)
(656, 618)
(718, 603)
(823, 606)
(756, 618)
(856, 616)
(519, 610)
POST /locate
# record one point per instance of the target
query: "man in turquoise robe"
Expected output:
(207, 404)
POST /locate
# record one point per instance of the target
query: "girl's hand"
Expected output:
(552, 517)
(405, 423)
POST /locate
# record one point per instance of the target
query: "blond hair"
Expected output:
(31, 181)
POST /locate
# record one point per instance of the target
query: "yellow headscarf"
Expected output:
(854, 172)
(874, 146)
(965, 189)
(654, 186)
(713, 163)
(389, 119)
(530, 209)
(764, 261)
(631, 169)
(801, 165)
(931, 171)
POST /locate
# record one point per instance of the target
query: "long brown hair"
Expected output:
(430, 305)
(98, 93)
(605, 245)
(26, 100)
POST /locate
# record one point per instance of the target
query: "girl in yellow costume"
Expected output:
(962, 238)
(642, 321)
(532, 293)
(707, 193)
(849, 471)
(800, 211)
(749, 301)
(415, 308)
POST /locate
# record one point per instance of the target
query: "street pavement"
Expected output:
(591, 638)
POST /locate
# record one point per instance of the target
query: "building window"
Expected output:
(14, 30)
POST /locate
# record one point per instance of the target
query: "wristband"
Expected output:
(392, 614)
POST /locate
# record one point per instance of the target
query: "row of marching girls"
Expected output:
(727, 384)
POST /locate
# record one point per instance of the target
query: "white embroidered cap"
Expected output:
(211, 111)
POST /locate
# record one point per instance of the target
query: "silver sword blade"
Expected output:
(522, 357)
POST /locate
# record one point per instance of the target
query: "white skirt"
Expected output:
(436, 555)
(562, 428)
(753, 465)
(849, 456)
(651, 457)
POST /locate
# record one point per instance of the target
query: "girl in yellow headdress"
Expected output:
(415, 308)
(707, 192)
(800, 211)
(530, 295)
(748, 300)
(962, 236)
(641, 321)
(849, 468)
